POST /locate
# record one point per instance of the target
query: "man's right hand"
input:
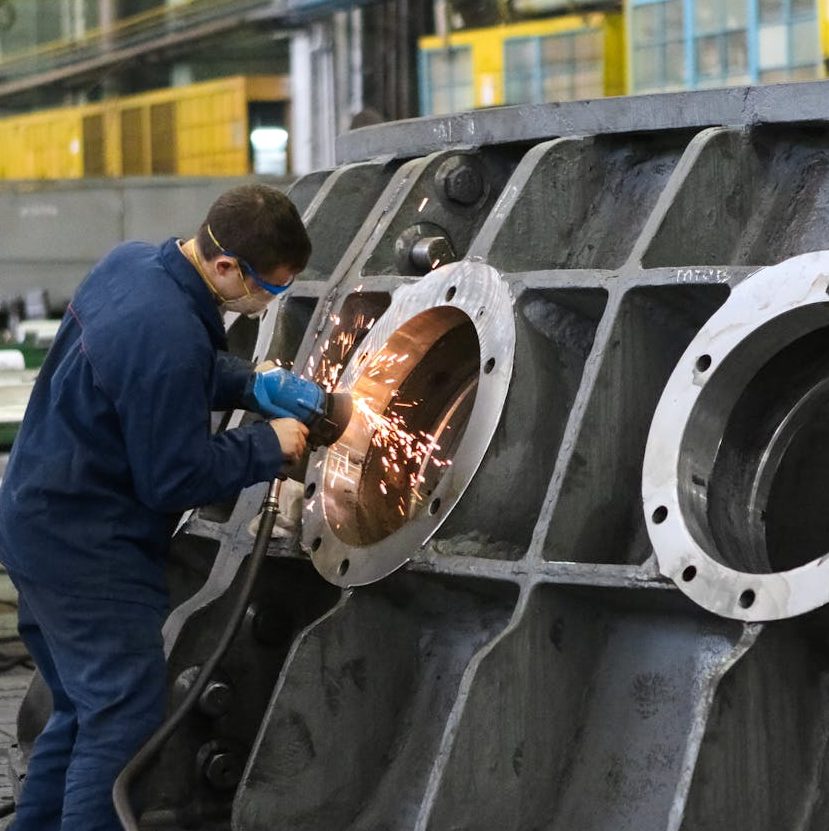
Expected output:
(292, 435)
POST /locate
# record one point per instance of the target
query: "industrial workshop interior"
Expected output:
(414, 415)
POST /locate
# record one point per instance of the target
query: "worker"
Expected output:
(115, 444)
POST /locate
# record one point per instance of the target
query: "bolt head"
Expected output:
(462, 180)
(223, 770)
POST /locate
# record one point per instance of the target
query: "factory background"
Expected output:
(115, 88)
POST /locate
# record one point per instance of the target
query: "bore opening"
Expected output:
(310, 490)
(343, 567)
(316, 544)
(689, 573)
(703, 363)
(412, 403)
(489, 366)
(747, 599)
(434, 506)
(659, 515)
(755, 453)
(450, 293)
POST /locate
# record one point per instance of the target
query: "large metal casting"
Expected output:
(527, 662)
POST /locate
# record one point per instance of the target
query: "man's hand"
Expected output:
(292, 435)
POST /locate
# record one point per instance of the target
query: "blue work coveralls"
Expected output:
(115, 443)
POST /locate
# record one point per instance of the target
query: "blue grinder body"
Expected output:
(282, 394)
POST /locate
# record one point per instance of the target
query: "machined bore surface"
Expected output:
(735, 472)
(429, 384)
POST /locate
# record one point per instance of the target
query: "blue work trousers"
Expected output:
(103, 660)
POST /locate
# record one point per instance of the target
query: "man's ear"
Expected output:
(224, 265)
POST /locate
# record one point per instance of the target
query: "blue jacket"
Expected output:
(116, 440)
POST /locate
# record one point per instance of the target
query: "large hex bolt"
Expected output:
(216, 698)
(461, 179)
(220, 766)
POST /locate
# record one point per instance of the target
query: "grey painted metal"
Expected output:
(530, 667)
(735, 106)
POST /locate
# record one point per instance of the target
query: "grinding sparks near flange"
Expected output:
(336, 351)
(399, 444)
(390, 433)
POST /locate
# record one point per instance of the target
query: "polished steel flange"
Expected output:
(441, 358)
(736, 471)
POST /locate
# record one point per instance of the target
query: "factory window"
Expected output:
(562, 67)
(721, 42)
(448, 84)
(789, 44)
(658, 41)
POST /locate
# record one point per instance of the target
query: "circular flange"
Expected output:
(445, 348)
(738, 401)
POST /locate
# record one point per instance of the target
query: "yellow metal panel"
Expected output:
(615, 53)
(208, 122)
(532, 28)
(268, 87)
(487, 47)
(112, 127)
(823, 12)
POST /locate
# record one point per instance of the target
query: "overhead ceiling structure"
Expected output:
(606, 328)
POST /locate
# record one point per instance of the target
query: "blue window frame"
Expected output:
(446, 82)
(698, 43)
(788, 40)
(721, 53)
(564, 67)
(658, 45)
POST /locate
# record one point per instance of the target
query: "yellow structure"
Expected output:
(823, 11)
(565, 57)
(201, 129)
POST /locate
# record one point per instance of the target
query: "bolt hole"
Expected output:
(747, 599)
(481, 311)
(310, 490)
(434, 506)
(489, 366)
(316, 544)
(703, 363)
(451, 293)
(363, 358)
(343, 567)
(660, 514)
(689, 574)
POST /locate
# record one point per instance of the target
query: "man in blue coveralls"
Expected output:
(116, 442)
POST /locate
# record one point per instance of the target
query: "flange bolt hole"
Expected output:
(703, 363)
(659, 515)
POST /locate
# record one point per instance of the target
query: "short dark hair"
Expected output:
(259, 224)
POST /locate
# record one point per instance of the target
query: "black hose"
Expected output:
(121, 789)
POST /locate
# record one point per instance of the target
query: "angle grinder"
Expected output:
(325, 414)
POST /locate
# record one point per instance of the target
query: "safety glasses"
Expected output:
(248, 269)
